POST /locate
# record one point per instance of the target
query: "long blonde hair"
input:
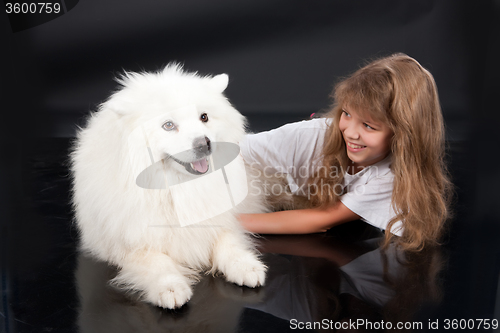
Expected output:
(400, 92)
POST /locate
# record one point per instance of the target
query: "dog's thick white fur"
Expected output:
(154, 116)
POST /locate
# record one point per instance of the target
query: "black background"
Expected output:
(283, 58)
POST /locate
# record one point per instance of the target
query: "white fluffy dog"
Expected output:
(147, 195)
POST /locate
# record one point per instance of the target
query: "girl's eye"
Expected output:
(346, 113)
(204, 117)
(168, 126)
(368, 126)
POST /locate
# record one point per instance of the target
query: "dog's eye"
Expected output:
(204, 117)
(168, 126)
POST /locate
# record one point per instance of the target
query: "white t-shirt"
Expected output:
(296, 150)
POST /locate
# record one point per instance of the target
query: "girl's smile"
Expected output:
(354, 147)
(367, 141)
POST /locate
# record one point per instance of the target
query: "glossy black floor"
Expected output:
(338, 281)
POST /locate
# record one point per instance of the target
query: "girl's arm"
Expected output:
(301, 221)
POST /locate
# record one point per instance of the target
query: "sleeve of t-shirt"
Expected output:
(272, 149)
(289, 146)
(372, 201)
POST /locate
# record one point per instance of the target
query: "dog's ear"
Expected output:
(219, 82)
(117, 104)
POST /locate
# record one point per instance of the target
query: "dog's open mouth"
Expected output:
(198, 167)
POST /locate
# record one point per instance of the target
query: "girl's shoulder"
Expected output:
(316, 123)
(306, 131)
(320, 123)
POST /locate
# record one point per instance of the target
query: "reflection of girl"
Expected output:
(321, 278)
(361, 269)
(385, 138)
(418, 288)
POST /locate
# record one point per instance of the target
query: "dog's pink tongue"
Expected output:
(201, 166)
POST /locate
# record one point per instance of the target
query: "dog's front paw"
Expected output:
(246, 271)
(171, 292)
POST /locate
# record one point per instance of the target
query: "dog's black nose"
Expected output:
(202, 145)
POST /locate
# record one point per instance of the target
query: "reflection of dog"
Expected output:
(216, 305)
(175, 118)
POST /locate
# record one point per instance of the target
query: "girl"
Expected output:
(378, 155)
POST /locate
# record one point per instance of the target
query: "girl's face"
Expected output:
(367, 141)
